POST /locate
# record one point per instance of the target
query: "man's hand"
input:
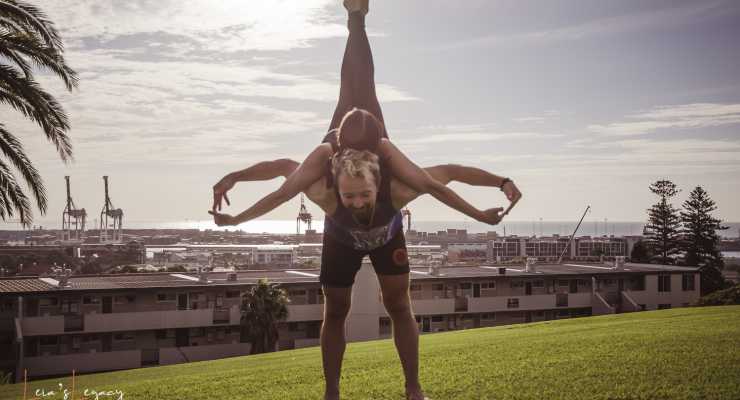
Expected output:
(219, 192)
(513, 194)
(491, 216)
(223, 219)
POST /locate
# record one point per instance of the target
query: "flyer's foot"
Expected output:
(356, 5)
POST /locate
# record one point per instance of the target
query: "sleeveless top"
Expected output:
(387, 221)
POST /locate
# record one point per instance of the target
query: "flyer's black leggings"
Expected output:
(357, 88)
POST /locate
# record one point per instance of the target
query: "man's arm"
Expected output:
(402, 194)
(308, 172)
(261, 171)
(420, 180)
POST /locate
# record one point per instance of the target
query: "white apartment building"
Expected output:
(114, 322)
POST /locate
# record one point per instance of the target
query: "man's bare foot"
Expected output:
(415, 394)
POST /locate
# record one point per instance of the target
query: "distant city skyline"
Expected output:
(578, 102)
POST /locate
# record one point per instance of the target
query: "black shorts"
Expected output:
(340, 263)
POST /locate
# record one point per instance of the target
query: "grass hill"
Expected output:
(683, 353)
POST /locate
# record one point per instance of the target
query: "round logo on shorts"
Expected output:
(400, 258)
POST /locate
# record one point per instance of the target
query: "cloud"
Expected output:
(650, 20)
(475, 137)
(229, 25)
(697, 115)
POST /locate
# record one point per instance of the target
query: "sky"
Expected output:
(578, 102)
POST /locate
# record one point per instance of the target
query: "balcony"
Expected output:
(221, 316)
(48, 325)
(73, 323)
(305, 312)
(433, 306)
(528, 303)
(461, 304)
(134, 321)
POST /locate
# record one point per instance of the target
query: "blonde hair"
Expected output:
(356, 164)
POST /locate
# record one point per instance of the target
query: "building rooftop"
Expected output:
(31, 284)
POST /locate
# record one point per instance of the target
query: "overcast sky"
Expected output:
(579, 102)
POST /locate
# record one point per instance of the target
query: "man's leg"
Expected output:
(395, 289)
(333, 342)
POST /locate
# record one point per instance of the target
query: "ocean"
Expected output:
(521, 228)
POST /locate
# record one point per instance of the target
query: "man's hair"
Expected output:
(356, 164)
(360, 130)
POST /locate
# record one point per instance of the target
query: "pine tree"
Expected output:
(640, 253)
(700, 240)
(662, 234)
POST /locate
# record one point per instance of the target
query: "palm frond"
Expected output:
(12, 148)
(14, 57)
(13, 198)
(44, 57)
(26, 96)
(31, 19)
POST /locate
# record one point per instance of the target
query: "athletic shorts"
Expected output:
(340, 263)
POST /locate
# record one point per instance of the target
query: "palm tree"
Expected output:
(262, 308)
(28, 39)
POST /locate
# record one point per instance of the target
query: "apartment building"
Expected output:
(584, 248)
(49, 326)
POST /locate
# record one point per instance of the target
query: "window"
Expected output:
(608, 282)
(49, 301)
(638, 283)
(438, 318)
(123, 336)
(582, 282)
(563, 282)
(538, 283)
(465, 285)
(642, 307)
(438, 286)
(415, 288)
(664, 283)
(488, 316)
(90, 338)
(516, 284)
(161, 334)
(232, 293)
(165, 297)
(492, 285)
(561, 300)
(90, 300)
(687, 282)
(663, 306)
(197, 332)
(512, 303)
(293, 327)
(563, 313)
(48, 340)
(120, 299)
(539, 313)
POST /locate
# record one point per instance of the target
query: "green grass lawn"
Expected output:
(684, 353)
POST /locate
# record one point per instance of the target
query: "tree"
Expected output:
(262, 308)
(640, 253)
(700, 241)
(28, 38)
(662, 230)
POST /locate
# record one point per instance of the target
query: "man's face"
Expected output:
(358, 195)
